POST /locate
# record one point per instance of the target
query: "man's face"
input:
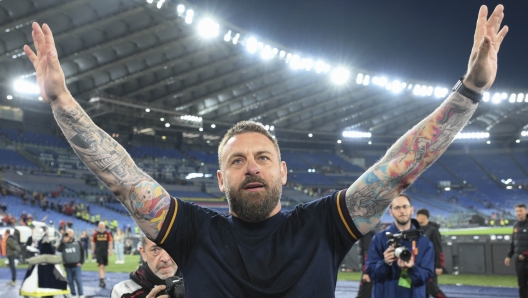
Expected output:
(251, 176)
(158, 260)
(101, 227)
(520, 212)
(422, 219)
(401, 210)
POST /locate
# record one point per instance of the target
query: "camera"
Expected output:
(173, 287)
(400, 251)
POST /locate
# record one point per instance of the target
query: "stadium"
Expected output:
(167, 79)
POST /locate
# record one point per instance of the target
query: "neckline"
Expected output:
(256, 228)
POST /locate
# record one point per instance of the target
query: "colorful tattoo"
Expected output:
(151, 201)
(369, 197)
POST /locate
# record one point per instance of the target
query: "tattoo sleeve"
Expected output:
(143, 197)
(368, 198)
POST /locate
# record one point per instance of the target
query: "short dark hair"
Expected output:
(520, 206)
(401, 195)
(423, 211)
(245, 127)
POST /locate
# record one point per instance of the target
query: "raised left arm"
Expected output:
(369, 196)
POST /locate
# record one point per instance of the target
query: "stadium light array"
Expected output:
(191, 118)
(9, 97)
(23, 86)
(472, 135)
(338, 76)
(167, 124)
(208, 28)
(356, 134)
(524, 133)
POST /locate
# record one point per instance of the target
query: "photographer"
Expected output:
(152, 277)
(73, 258)
(400, 265)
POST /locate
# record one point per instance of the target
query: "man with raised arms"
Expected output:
(259, 250)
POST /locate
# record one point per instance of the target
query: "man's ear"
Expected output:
(220, 180)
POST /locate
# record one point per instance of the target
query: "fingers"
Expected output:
(155, 291)
(31, 55)
(480, 29)
(495, 20)
(500, 37)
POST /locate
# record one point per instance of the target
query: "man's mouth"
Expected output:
(254, 186)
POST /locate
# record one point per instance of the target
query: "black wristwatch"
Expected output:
(465, 91)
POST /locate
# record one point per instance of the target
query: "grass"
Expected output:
(477, 231)
(461, 279)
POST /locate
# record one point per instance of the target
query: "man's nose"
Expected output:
(252, 167)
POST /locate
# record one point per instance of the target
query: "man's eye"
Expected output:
(263, 158)
(237, 161)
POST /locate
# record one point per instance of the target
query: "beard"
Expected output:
(254, 206)
(403, 222)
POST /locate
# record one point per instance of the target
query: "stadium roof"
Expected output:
(166, 67)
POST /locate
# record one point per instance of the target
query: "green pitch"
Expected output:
(477, 231)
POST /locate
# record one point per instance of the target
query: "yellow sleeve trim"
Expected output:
(172, 221)
(342, 217)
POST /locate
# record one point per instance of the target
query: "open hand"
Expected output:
(482, 66)
(50, 77)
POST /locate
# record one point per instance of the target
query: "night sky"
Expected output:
(426, 40)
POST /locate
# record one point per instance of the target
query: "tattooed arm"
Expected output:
(143, 197)
(368, 198)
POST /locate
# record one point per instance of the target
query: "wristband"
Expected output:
(465, 91)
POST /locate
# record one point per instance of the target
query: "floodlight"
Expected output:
(162, 119)
(208, 28)
(486, 97)
(22, 86)
(227, 36)
(40, 98)
(472, 135)
(266, 53)
(320, 66)
(496, 98)
(339, 141)
(167, 124)
(10, 97)
(213, 125)
(189, 15)
(512, 98)
(150, 1)
(180, 8)
(296, 62)
(396, 86)
(275, 51)
(517, 141)
(282, 54)
(359, 79)
(251, 45)
(504, 95)
(307, 64)
(235, 39)
(520, 97)
(160, 4)
(147, 110)
(366, 80)
(340, 76)
(200, 129)
(310, 135)
(417, 89)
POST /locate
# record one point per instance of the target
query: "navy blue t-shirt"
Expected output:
(292, 254)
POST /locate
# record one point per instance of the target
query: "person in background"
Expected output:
(519, 249)
(85, 240)
(119, 245)
(392, 276)
(12, 252)
(102, 247)
(430, 230)
(73, 259)
(149, 279)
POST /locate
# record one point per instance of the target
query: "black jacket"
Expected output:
(519, 243)
(431, 232)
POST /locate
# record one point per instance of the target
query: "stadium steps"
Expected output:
(486, 171)
(449, 171)
(31, 158)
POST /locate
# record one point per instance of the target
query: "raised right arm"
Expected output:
(143, 197)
